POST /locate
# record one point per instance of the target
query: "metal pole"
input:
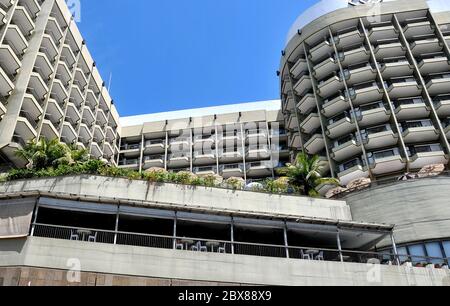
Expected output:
(339, 246)
(35, 218)
(232, 235)
(117, 225)
(394, 247)
(286, 244)
(175, 232)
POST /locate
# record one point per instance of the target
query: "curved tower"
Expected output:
(366, 85)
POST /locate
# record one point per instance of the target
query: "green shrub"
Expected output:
(198, 181)
(280, 185)
(235, 183)
(155, 175)
(184, 177)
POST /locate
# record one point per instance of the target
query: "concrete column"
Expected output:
(394, 248)
(232, 235)
(175, 231)
(286, 243)
(117, 224)
(338, 237)
(244, 157)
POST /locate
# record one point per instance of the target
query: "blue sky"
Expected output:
(179, 54)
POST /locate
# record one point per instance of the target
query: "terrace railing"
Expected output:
(229, 247)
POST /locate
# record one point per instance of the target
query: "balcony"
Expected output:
(366, 92)
(180, 143)
(230, 137)
(49, 48)
(346, 147)
(205, 171)
(99, 134)
(72, 113)
(80, 79)
(23, 20)
(385, 32)
(48, 130)
(442, 105)
(96, 150)
(59, 92)
(434, 63)
(396, 67)
(292, 122)
(154, 161)
(108, 150)
(379, 137)
(63, 73)
(179, 160)
(335, 105)
(288, 103)
(6, 86)
(294, 140)
(351, 171)
(258, 152)
(259, 169)
(26, 126)
(76, 95)
(354, 55)
(132, 164)
(85, 134)
(386, 161)
(130, 149)
(300, 67)
(204, 157)
(204, 141)
(257, 136)
(3, 15)
(325, 68)
(303, 84)
(330, 86)
(2, 109)
(88, 116)
(350, 37)
(37, 87)
(9, 61)
(31, 107)
(320, 51)
(155, 146)
(389, 50)
(102, 119)
(15, 39)
(307, 103)
(425, 155)
(68, 135)
(231, 155)
(427, 45)
(54, 111)
(315, 145)
(232, 170)
(438, 84)
(419, 131)
(310, 124)
(43, 66)
(32, 6)
(286, 87)
(68, 57)
(403, 87)
(54, 30)
(91, 99)
(411, 108)
(371, 114)
(418, 27)
(340, 125)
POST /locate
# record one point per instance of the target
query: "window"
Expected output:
(417, 253)
(434, 250)
(446, 246)
(403, 251)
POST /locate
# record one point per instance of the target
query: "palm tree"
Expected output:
(305, 174)
(51, 153)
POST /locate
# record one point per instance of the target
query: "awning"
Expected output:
(15, 217)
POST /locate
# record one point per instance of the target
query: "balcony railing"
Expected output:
(201, 245)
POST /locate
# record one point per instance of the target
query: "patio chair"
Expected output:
(195, 247)
(222, 250)
(179, 246)
(74, 236)
(93, 238)
(202, 248)
(304, 256)
(320, 257)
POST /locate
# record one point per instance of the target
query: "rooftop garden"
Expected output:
(53, 159)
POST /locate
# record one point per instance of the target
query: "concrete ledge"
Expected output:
(235, 269)
(195, 197)
(419, 208)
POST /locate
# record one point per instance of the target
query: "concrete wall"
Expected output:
(420, 208)
(198, 197)
(206, 267)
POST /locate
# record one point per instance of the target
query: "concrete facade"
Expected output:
(96, 187)
(358, 89)
(208, 268)
(49, 84)
(418, 208)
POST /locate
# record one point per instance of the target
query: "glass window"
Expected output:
(447, 248)
(403, 251)
(434, 250)
(417, 253)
